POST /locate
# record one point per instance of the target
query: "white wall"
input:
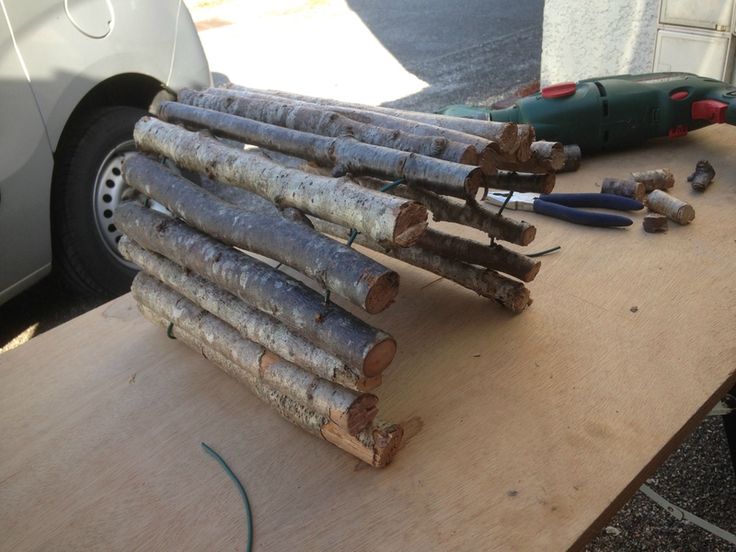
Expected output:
(584, 39)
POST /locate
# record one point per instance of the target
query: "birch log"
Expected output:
(626, 188)
(338, 200)
(251, 323)
(675, 209)
(522, 182)
(344, 152)
(486, 283)
(348, 410)
(573, 157)
(654, 223)
(260, 286)
(376, 445)
(310, 119)
(487, 151)
(655, 179)
(504, 134)
(545, 157)
(494, 257)
(334, 266)
(470, 214)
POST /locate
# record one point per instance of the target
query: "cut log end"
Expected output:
(548, 183)
(517, 302)
(375, 446)
(411, 222)
(572, 158)
(382, 292)
(379, 357)
(533, 271)
(387, 441)
(508, 138)
(527, 235)
(487, 160)
(474, 181)
(469, 157)
(362, 413)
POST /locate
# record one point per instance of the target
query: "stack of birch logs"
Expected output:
(321, 173)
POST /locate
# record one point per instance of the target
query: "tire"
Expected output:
(86, 189)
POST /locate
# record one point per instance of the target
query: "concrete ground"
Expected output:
(417, 54)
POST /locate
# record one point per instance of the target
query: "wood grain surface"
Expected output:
(525, 432)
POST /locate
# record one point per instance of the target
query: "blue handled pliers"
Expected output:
(567, 206)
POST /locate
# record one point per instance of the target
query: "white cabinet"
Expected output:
(696, 37)
(704, 54)
(704, 14)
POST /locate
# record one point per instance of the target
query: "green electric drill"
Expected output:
(619, 111)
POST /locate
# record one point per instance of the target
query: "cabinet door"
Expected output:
(704, 14)
(698, 53)
(25, 176)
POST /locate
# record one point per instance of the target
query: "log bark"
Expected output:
(486, 283)
(301, 309)
(674, 209)
(349, 410)
(573, 156)
(343, 152)
(627, 188)
(469, 214)
(522, 182)
(487, 151)
(702, 177)
(376, 445)
(504, 134)
(338, 200)
(336, 267)
(545, 157)
(494, 257)
(252, 324)
(656, 179)
(654, 222)
(311, 119)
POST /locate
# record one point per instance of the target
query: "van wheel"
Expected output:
(88, 185)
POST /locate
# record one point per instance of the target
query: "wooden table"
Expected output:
(524, 432)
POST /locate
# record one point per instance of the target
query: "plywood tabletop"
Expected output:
(524, 432)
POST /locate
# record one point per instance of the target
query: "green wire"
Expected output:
(393, 184)
(545, 252)
(243, 494)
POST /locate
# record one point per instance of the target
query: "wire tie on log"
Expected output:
(351, 238)
(169, 329)
(392, 185)
(545, 252)
(505, 203)
(243, 494)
